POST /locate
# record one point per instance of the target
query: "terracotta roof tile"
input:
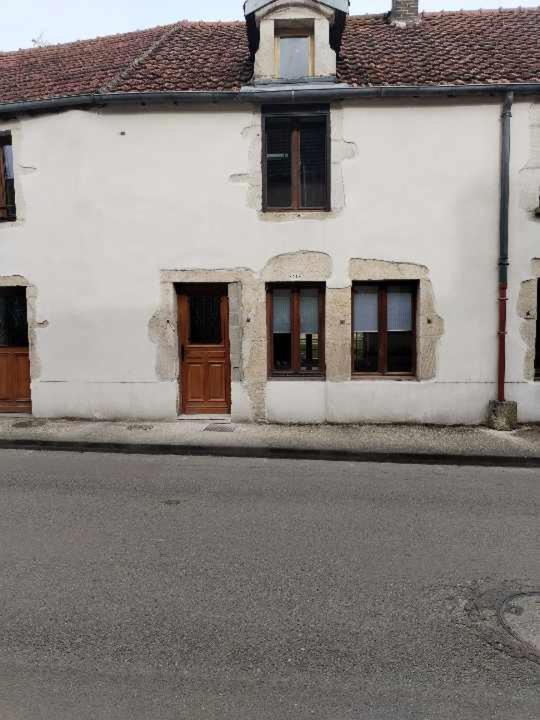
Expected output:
(73, 69)
(467, 47)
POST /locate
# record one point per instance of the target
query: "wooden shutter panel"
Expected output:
(3, 193)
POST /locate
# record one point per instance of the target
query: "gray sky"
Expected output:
(65, 20)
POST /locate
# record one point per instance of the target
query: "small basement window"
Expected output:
(537, 355)
(7, 179)
(296, 161)
(384, 329)
(295, 330)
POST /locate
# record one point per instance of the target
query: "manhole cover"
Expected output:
(220, 427)
(520, 615)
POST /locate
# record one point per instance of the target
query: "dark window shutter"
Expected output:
(278, 163)
(313, 163)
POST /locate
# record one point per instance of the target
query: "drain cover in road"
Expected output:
(220, 427)
(520, 614)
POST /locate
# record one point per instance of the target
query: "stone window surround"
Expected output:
(527, 309)
(248, 321)
(285, 13)
(33, 324)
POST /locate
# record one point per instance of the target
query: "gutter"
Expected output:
(269, 95)
(504, 261)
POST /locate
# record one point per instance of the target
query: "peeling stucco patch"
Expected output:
(364, 270)
(247, 328)
(341, 151)
(529, 177)
(163, 331)
(338, 322)
(527, 311)
(429, 325)
(301, 266)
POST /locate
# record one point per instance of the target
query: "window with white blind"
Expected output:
(7, 179)
(384, 328)
(296, 157)
(295, 330)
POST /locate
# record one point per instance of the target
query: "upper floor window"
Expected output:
(384, 328)
(296, 329)
(296, 161)
(7, 179)
(294, 53)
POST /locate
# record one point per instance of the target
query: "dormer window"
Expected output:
(294, 53)
(295, 40)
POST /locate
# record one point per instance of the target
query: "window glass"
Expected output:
(383, 329)
(293, 57)
(309, 329)
(366, 309)
(366, 352)
(8, 161)
(13, 318)
(400, 352)
(278, 163)
(313, 162)
(282, 337)
(205, 319)
(400, 309)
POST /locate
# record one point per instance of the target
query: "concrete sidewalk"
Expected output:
(366, 443)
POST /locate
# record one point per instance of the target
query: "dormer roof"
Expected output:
(251, 6)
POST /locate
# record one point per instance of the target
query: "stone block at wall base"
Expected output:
(503, 415)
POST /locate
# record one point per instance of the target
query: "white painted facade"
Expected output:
(108, 200)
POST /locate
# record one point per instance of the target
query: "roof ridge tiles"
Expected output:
(139, 60)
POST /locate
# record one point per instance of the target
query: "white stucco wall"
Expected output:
(102, 213)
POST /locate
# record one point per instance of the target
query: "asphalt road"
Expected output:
(155, 588)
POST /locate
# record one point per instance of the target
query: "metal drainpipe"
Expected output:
(503, 240)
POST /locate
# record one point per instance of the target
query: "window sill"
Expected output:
(312, 378)
(387, 378)
(292, 211)
(8, 220)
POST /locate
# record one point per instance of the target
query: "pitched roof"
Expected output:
(445, 48)
(466, 47)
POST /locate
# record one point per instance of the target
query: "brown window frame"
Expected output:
(295, 116)
(382, 371)
(5, 214)
(295, 372)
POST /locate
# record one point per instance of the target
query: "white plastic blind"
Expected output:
(400, 305)
(281, 305)
(309, 311)
(366, 310)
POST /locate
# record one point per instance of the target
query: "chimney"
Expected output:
(404, 13)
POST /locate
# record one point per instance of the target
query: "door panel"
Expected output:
(205, 384)
(14, 352)
(14, 380)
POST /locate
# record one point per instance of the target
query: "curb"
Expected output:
(275, 453)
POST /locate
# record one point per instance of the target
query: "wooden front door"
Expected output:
(203, 312)
(14, 353)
